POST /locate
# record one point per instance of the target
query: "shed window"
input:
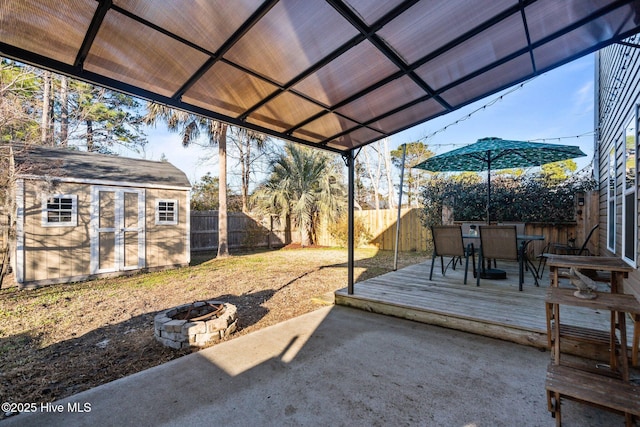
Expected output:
(167, 212)
(60, 210)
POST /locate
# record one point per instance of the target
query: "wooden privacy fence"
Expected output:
(381, 224)
(244, 231)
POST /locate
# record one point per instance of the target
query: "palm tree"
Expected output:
(191, 127)
(305, 185)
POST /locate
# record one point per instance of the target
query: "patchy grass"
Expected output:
(59, 340)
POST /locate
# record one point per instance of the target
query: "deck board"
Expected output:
(496, 308)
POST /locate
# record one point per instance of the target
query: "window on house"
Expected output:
(60, 210)
(611, 202)
(167, 212)
(629, 201)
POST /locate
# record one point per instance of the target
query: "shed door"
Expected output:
(117, 241)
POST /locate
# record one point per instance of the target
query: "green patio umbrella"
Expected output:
(495, 153)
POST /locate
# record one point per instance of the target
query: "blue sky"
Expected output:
(555, 105)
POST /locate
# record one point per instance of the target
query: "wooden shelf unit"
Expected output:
(587, 381)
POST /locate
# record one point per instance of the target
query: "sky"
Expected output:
(556, 108)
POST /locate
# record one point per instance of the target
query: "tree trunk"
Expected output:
(373, 177)
(244, 164)
(223, 247)
(90, 146)
(46, 108)
(9, 208)
(387, 163)
(64, 111)
(305, 234)
(246, 178)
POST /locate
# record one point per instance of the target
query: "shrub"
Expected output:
(339, 231)
(522, 199)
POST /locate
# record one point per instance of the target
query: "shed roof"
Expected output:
(335, 74)
(97, 168)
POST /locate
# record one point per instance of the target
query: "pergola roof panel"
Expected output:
(363, 63)
(496, 79)
(430, 25)
(356, 138)
(299, 108)
(382, 100)
(240, 92)
(53, 29)
(574, 42)
(291, 38)
(205, 23)
(503, 39)
(372, 11)
(133, 53)
(547, 17)
(336, 74)
(407, 116)
(325, 126)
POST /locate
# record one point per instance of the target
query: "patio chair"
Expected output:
(501, 242)
(447, 242)
(562, 248)
(520, 226)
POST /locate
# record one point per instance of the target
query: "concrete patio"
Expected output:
(334, 366)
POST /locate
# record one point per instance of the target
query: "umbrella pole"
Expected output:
(489, 188)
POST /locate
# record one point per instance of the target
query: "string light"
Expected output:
(488, 104)
(612, 91)
(612, 95)
(555, 138)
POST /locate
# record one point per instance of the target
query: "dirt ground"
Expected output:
(59, 340)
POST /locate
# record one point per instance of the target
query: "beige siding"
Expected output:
(166, 244)
(55, 252)
(59, 253)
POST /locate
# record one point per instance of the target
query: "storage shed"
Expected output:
(82, 215)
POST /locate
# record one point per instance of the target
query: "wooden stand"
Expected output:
(590, 381)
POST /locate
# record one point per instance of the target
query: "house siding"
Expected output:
(617, 93)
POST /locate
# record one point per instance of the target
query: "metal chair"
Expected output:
(447, 241)
(501, 242)
(564, 249)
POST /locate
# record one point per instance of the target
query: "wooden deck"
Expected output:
(496, 308)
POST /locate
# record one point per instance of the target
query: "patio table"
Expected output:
(523, 242)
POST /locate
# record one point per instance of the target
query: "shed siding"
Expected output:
(166, 244)
(55, 252)
(617, 92)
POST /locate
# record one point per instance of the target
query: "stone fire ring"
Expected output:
(181, 334)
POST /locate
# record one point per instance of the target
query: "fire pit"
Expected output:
(200, 324)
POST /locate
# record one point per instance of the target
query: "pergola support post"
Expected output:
(350, 161)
